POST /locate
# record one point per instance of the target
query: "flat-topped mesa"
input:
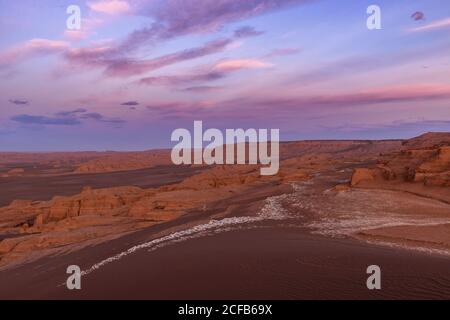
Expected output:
(428, 140)
(123, 161)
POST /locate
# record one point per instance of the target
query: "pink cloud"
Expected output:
(116, 65)
(232, 65)
(395, 94)
(207, 74)
(256, 107)
(75, 35)
(31, 49)
(129, 67)
(436, 25)
(90, 56)
(88, 27)
(111, 7)
(192, 16)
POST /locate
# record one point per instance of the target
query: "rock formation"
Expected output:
(421, 163)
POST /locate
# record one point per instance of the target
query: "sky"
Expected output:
(137, 70)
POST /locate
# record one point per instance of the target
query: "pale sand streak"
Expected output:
(271, 211)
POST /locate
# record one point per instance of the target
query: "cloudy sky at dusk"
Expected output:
(137, 70)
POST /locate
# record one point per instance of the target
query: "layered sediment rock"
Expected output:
(423, 161)
(92, 214)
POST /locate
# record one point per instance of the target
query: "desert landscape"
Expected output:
(385, 201)
(211, 150)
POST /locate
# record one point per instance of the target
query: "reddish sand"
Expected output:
(273, 263)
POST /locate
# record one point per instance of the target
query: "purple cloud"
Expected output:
(211, 73)
(203, 89)
(129, 67)
(182, 79)
(197, 16)
(30, 49)
(247, 31)
(193, 16)
(418, 15)
(18, 102)
(100, 118)
(42, 120)
(70, 113)
(130, 103)
(259, 108)
(66, 118)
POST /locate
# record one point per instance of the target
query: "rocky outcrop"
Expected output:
(421, 162)
(96, 213)
(435, 171)
(362, 174)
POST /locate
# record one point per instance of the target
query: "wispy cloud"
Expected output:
(65, 118)
(88, 27)
(203, 89)
(247, 31)
(192, 16)
(257, 108)
(410, 93)
(204, 76)
(436, 25)
(70, 113)
(212, 73)
(130, 103)
(44, 120)
(101, 118)
(130, 67)
(197, 16)
(239, 64)
(104, 57)
(18, 101)
(111, 7)
(30, 49)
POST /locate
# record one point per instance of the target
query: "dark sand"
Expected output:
(46, 187)
(267, 263)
